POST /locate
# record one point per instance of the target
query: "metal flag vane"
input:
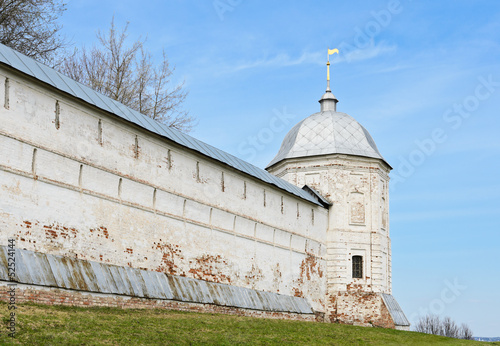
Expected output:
(330, 52)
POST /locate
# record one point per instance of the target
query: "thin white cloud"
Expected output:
(317, 58)
(281, 60)
(373, 50)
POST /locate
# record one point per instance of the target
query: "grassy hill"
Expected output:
(52, 325)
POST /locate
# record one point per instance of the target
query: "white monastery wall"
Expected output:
(79, 182)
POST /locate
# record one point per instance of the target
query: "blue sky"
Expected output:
(422, 76)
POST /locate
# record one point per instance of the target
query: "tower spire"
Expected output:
(330, 52)
(329, 101)
(328, 74)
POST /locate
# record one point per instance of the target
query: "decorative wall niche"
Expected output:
(356, 208)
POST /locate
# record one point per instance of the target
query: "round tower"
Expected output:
(335, 156)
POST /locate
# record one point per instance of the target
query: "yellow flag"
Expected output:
(332, 51)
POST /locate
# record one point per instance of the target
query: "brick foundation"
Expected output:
(359, 308)
(58, 296)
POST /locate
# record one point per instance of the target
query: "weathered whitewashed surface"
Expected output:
(79, 182)
(358, 225)
(86, 190)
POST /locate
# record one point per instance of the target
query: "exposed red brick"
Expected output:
(57, 296)
(210, 268)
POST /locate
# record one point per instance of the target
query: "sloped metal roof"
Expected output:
(40, 269)
(327, 132)
(397, 314)
(63, 83)
(317, 196)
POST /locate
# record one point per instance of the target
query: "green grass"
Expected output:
(60, 325)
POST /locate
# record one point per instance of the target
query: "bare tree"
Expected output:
(127, 74)
(450, 328)
(30, 27)
(465, 332)
(432, 324)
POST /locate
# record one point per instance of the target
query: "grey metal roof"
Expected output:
(327, 132)
(59, 81)
(397, 314)
(317, 196)
(35, 268)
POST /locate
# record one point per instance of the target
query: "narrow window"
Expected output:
(264, 198)
(281, 204)
(136, 148)
(169, 159)
(298, 211)
(6, 99)
(58, 111)
(154, 199)
(357, 267)
(244, 190)
(80, 177)
(312, 216)
(120, 188)
(223, 187)
(33, 162)
(197, 171)
(99, 132)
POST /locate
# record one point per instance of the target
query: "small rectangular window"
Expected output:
(357, 267)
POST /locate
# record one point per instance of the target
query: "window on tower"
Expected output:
(357, 267)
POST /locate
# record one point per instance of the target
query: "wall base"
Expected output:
(360, 309)
(58, 296)
(367, 309)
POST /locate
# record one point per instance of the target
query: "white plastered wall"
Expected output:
(76, 192)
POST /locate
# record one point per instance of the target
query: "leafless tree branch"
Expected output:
(30, 27)
(127, 74)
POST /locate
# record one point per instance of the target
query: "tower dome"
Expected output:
(327, 132)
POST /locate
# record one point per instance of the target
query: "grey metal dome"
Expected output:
(327, 132)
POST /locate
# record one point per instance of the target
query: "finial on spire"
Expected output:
(330, 52)
(329, 101)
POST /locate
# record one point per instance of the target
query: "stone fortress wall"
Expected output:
(79, 182)
(112, 211)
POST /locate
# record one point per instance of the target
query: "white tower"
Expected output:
(334, 155)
